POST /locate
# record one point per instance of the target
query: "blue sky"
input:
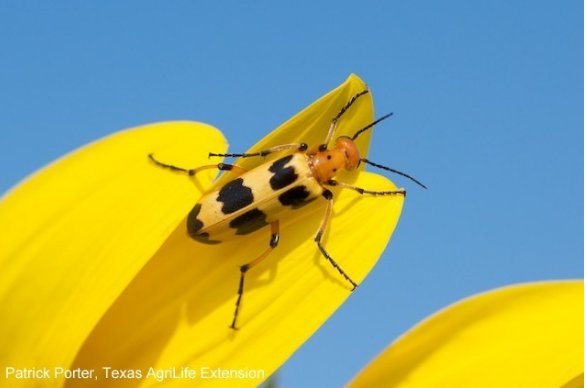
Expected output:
(488, 103)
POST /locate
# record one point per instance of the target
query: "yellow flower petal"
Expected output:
(174, 311)
(528, 335)
(78, 231)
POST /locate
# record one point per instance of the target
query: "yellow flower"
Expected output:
(529, 335)
(97, 270)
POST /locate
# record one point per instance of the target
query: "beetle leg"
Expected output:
(244, 268)
(326, 220)
(192, 171)
(282, 147)
(360, 190)
(334, 121)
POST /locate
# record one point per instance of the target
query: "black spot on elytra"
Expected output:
(282, 176)
(249, 222)
(235, 196)
(194, 225)
(296, 197)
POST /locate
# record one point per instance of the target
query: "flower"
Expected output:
(528, 335)
(97, 269)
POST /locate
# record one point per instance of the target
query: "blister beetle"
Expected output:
(258, 198)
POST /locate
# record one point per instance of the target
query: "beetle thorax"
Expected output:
(326, 163)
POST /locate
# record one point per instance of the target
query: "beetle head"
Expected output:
(325, 163)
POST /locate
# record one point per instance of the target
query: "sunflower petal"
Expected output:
(528, 335)
(78, 231)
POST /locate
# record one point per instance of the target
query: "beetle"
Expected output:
(260, 197)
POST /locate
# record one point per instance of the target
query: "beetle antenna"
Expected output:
(371, 125)
(394, 171)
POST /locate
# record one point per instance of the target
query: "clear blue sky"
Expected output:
(488, 102)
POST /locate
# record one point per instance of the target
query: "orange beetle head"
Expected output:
(326, 163)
